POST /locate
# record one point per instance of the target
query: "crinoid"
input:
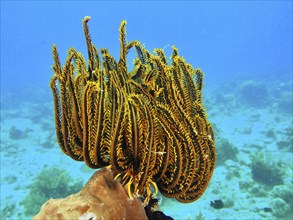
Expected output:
(148, 125)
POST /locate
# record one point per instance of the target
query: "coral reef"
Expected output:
(287, 140)
(266, 170)
(7, 210)
(51, 182)
(226, 151)
(281, 209)
(16, 133)
(253, 94)
(200, 216)
(282, 204)
(101, 198)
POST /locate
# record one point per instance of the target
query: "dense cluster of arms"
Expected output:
(147, 125)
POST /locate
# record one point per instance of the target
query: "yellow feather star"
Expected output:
(149, 125)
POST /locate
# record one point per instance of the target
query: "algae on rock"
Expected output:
(51, 182)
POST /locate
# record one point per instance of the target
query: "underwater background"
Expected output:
(243, 47)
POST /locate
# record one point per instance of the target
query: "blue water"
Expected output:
(231, 41)
(223, 38)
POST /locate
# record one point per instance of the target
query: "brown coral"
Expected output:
(101, 198)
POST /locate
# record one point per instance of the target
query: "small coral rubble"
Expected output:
(101, 198)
